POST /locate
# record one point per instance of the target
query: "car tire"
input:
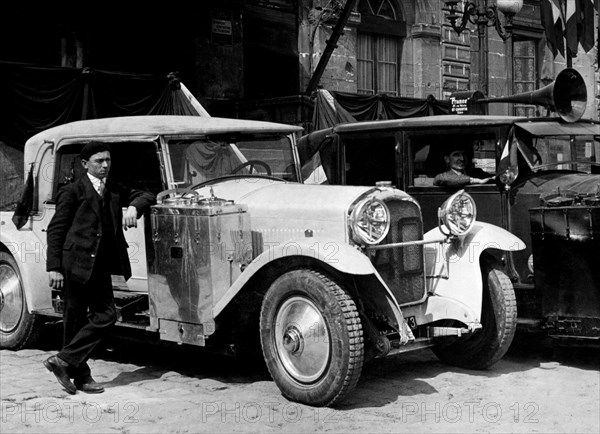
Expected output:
(498, 319)
(18, 327)
(311, 337)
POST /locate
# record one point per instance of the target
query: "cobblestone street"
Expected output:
(152, 388)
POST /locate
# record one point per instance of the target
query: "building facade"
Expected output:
(256, 58)
(408, 48)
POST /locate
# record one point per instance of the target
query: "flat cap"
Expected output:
(93, 148)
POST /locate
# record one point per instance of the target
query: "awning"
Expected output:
(555, 128)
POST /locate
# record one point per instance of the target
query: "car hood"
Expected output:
(552, 182)
(282, 211)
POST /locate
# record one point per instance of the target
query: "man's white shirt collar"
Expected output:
(96, 182)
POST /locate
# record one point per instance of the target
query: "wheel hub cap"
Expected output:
(292, 340)
(11, 299)
(302, 339)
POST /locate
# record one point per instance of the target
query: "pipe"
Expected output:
(331, 45)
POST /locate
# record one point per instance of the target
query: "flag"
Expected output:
(25, 205)
(586, 26)
(508, 168)
(568, 23)
(571, 19)
(552, 20)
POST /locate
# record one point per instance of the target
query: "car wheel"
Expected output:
(312, 338)
(18, 327)
(498, 319)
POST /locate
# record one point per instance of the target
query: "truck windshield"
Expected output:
(201, 159)
(580, 153)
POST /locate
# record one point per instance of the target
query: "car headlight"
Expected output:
(370, 221)
(457, 215)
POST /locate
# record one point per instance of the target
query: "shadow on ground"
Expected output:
(155, 358)
(411, 371)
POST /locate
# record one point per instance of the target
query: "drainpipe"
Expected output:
(331, 45)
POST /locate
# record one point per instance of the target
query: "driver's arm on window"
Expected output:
(451, 179)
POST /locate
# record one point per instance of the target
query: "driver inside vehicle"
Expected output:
(460, 171)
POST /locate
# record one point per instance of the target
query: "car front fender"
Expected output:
(336, 254)
(453, 270)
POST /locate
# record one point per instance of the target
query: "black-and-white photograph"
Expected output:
(300, 216)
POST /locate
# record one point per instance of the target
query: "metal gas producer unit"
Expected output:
(201, 247)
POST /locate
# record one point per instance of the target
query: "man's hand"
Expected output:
(56, 279)
(130, 218)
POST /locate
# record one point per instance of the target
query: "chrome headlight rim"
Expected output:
(458, 214)
(362, 234)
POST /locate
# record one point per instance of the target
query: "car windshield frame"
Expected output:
(568, 152)
(199, 159)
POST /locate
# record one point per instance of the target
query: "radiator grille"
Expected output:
(402, 267)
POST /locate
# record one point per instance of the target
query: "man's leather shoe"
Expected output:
(88, 385)
(59, 368)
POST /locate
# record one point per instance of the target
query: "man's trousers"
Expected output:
(89, 313)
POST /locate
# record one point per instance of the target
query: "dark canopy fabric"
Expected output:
(382, 107)
(328, 112)
(33, 98)
(332, 108)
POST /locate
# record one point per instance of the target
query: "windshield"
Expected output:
(201, 159)
(429, 153)
(580, 153)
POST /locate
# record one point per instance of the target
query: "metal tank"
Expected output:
(201, 247)
(565, 233)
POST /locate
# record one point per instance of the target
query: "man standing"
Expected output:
(86, 245)
(460, 173)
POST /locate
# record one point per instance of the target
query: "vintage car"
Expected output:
(546, 191)
(237, 254)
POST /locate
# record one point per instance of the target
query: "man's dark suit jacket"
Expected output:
(75, 230)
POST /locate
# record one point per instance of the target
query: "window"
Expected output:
(456, 60)
(134, 164)
(370, 159)
(524, 73)
(427, 153)
(578, 153)
(378, 48)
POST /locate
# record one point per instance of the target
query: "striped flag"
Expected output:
(571, 19)
(553, 22)
(568, 23)
(508, 167)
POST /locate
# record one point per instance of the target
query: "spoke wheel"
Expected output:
(312, 338)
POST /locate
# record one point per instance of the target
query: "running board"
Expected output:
(132, 307)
